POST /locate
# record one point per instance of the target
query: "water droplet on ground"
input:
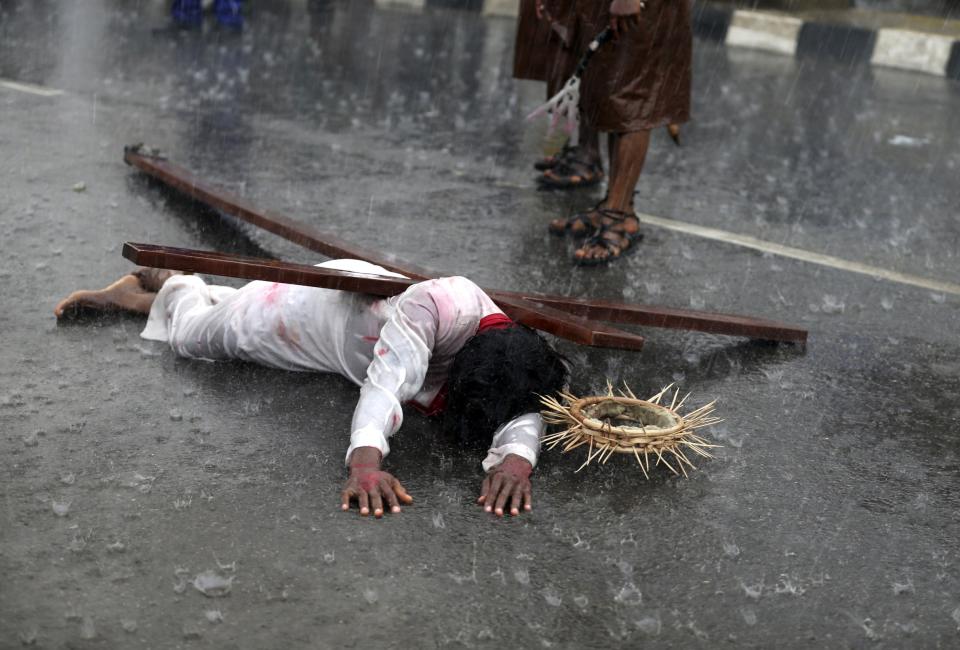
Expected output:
(212, 584)
(552, 597)
(905, 587)
(752, 591)
(29, 637)
(87, 628)
(629, 595)
(649, 625)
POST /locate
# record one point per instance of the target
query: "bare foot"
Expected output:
(152, 279)
(125, 294)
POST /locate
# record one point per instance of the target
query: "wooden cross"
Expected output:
(575, 319)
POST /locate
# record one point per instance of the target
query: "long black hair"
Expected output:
(499, 375)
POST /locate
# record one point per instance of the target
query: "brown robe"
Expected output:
(542, 51)
(640, 81)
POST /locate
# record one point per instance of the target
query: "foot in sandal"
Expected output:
(582, 224)
(572, 172)
(617, 234)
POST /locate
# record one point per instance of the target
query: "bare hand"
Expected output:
(508, 480)
(624, 14)
(371, 486)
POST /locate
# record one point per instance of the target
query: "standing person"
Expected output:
(442, 346)
(544, 52)
(638, 82)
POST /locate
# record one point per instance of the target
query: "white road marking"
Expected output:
(800, 254)
(30, 88)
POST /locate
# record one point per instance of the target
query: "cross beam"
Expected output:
(572, 318)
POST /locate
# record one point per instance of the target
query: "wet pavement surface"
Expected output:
(829, 518)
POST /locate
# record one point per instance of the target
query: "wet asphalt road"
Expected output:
(827, 519)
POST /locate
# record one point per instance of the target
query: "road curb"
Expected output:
(893, 45)
(906, 49)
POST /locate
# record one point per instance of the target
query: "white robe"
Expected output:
(398, 349)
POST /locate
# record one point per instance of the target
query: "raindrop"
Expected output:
(788, 585)
(552, 597)
(903, 587)
(212, 584)
(29, 637)
(87, 629)
(731, 549)
(649, 625)
(832, 305)
(629, 595)
(752, 591)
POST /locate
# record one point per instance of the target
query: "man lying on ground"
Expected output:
(442, 346)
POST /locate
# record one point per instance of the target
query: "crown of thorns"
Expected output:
(610, 424)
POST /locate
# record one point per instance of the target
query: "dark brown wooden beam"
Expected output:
(332, 246)
(299, 233)
(252, 268)
(547, 319)
(671, 318)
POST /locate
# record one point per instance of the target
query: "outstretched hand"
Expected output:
(370, 486)
(508, 480)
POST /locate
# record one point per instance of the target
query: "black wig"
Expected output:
(499, 375)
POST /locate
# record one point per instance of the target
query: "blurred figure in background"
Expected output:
(189, 13)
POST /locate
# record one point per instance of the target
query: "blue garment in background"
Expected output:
(190, 12)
